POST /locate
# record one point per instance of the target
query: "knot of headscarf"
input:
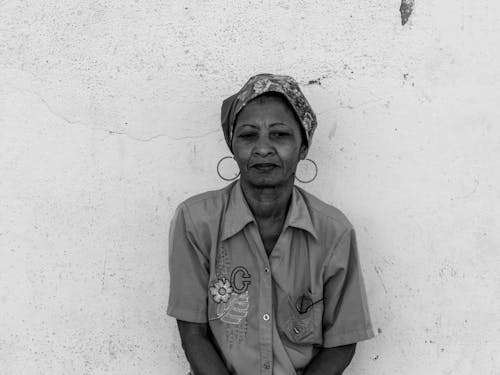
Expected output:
(260, 84)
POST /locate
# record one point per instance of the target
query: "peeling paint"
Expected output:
(406, 9)
(316, 81)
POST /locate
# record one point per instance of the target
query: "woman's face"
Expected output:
(267, 142)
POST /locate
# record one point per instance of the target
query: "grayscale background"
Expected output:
(109, 117)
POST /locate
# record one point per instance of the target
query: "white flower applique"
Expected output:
(221, 290)
(232, 304)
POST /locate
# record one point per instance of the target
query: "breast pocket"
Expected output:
(300, 318)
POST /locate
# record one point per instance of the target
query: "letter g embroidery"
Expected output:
(240, 279)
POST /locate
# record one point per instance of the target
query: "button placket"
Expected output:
(265, 304)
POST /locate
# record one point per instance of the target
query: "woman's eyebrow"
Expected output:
(253, 126)
(250, 125)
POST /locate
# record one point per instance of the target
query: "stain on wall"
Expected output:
(406, 9)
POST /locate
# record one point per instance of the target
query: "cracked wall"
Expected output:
(109, 117)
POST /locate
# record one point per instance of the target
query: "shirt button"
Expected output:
(266, 269)
(265, 317)
(267, 366)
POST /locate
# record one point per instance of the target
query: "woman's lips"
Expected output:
(264, 166)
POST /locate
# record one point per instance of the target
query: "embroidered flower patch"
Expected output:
(221, 290)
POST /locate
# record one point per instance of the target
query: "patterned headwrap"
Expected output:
(258, 85)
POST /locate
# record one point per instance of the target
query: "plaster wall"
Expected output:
(109, 117)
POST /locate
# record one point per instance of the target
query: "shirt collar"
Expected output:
(298, 214)
(238, 214)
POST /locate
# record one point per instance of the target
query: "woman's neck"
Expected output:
(268, 203)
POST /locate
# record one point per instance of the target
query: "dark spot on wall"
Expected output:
(406, 9)
(316, 81)
(408, 78)
(379, 330)
(375, 358)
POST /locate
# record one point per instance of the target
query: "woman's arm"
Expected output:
(331, 361)
(199, 349)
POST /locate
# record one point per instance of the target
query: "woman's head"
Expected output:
(268, 125)
(268, 141)
(264, 84)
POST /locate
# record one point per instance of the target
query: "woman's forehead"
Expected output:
(271, 107)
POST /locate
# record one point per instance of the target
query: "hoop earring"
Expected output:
(315, 173)
(220, 175)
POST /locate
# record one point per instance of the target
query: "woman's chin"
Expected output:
(265, 181)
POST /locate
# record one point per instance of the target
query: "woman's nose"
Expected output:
(263, 147)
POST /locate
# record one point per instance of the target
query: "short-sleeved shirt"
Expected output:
(268, 314)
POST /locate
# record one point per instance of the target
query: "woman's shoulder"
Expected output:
(208, 201)
(325, 212)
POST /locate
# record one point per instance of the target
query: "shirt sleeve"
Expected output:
(189, 271)
(346, 318)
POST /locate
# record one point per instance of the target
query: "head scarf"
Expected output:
(260, 84)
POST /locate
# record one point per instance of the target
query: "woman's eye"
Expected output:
(246, 135)
(279, 134)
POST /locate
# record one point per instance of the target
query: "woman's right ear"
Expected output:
(303, 151)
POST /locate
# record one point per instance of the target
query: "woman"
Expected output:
(265, 277)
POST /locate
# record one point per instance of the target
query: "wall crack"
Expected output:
(111, 131)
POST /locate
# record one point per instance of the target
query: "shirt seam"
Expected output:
(207, 196)
(192, 232)
(183, 313)
(312, 207)
(338, 221)
(334, 251)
